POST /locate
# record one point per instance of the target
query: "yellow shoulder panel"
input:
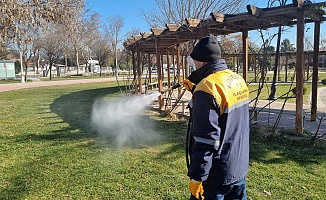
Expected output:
(227, 87)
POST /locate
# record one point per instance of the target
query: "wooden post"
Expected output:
(183, 67)
(314, 84)
(286, 67)
(149, 68)
(159, 75)
(178, 67)
(162, 68)
(307, 68)
(187, 69)
(173, 63)
(279, 68)
(168, 68)
(134, 70)
(263, 68)
(299, 72)
(255, 68)
(204, 31)
(233, 62)
(139, 70)
(245, 55)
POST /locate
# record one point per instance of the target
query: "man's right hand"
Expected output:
(190, 86)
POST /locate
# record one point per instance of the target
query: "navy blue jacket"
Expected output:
(219, 151)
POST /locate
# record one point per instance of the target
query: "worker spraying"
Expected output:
(218, 140)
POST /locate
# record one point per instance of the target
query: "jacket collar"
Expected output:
(210, 68)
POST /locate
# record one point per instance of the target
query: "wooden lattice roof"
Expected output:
(220, 24)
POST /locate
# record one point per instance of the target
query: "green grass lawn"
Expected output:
(49, 150)
(281, 92)
(8, 81)
(282, 77)
(75, 77)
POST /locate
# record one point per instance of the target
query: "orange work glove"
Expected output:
(196, 188)
(190, 86)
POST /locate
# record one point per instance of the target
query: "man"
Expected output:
(219, 147)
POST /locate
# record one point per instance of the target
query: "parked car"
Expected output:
(173, 69)
(154, 70)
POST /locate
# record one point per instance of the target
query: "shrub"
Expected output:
(17, 67)
(323, 81)
(305, 89)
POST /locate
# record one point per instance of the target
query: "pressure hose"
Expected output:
(188, 138)
(188, 143)
(188, 125)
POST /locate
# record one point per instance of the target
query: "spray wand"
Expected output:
(172, 88)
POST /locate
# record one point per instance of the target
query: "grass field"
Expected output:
(74, 77)
(50, 150)
(281, 92)
(291, 74)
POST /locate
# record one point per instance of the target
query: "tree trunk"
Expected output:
(38, 62)
(77, 61)
(25, 66)
(50, 68)
(66, 63)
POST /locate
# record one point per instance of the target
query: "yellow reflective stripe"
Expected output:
(214, 143)
(237, 105)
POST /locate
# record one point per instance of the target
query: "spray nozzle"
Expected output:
(172, 88)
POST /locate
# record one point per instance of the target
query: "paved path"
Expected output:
(35, 83)
(269, 115)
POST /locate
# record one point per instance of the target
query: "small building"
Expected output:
(7, 69)
(94, 64)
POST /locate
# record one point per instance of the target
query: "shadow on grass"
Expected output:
(75, 109)
(17, 187)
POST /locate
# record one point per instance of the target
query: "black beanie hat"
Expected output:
(206, 50)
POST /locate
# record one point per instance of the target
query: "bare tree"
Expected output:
(81, 33)
(101, 50)
(113, 30)
(176, 11)
(3, 52)
(18, 16)
(52, 45)
(23, 45)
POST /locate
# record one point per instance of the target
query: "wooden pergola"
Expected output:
(166, 42)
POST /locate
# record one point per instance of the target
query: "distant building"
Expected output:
(7, 69)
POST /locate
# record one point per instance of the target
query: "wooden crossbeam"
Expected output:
(313, 15)
(192, 22)
(157, 31)
(220, 24)
(218, 17)
(137, 37)
(253, 10)
(145, 35)
(172, 27)
(131, 40)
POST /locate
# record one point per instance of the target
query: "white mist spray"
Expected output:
(123, 121)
